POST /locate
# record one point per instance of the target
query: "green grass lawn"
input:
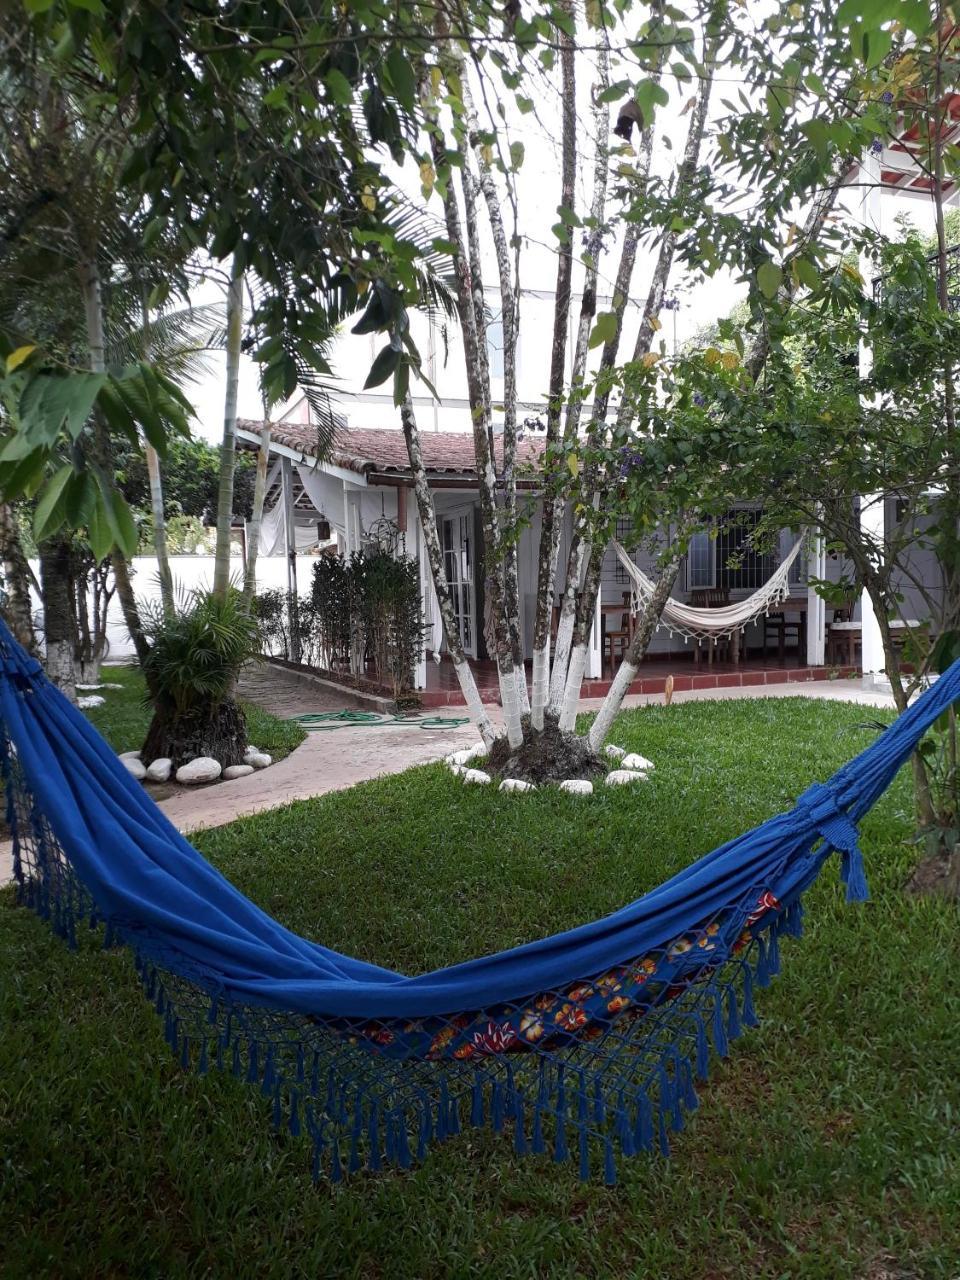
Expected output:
(124, 718)
(826, 1147)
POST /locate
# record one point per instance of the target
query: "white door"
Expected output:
(456, 538)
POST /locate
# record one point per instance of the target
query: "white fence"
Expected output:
(188, 572)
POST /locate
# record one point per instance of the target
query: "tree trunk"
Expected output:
(634, 656)
(228, 446)
(59, 624)
(219, 731)
(431, 539)
(156, 495)
(256, 516)
(17, 608)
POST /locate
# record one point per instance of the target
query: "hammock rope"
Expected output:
(585, 1045)
(708, 624)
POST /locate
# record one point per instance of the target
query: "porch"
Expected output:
(442, 689)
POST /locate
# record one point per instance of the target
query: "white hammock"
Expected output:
(702, 624)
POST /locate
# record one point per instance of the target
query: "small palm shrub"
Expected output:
(192, 670)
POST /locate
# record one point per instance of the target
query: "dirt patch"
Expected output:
(551, 756)
(937, 875)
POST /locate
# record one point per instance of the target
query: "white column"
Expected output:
(871, 505)
(816, 605)
(348, 530)
(413, 544)
(594, 654)
(290, 547)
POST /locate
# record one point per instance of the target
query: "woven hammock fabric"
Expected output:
(590, 1037)
(701, 624)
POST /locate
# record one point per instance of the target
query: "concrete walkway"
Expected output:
(336, 759)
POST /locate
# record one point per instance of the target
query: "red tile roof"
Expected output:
(384, 451)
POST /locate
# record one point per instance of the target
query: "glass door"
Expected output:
(456, 538)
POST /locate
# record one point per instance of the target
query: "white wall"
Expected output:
(188, 572)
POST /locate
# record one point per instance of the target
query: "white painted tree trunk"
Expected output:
(256, 515)
(157, 511)
(431, 541)
(228, 444)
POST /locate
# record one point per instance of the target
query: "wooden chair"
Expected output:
(617, 642)
(712, 598)
(782, 629)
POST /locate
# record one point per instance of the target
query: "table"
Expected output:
(852, 632)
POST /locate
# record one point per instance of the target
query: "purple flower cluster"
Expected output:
(876, 147)
(630, 458)
(887, 97)
(672, 303)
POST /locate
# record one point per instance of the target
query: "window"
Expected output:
(495, 345)
(701, 561)
(624, 529)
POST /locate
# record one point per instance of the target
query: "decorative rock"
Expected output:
(467, 754)
(133, 767)
(636, 761)
(237, 771)
(257, 759)
(91, 700)
(577, 787)
(620, 777)
(476, 776)
(251, 750)
(516, 784)
(159, 770)
(106, 685)
(89, 688)
(615, 753)
(457, 769)
(203, 769)
(129, 755)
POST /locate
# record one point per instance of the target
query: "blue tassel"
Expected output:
(331, 1104)
(277, 1110)
(374, 1160)
(294, 1122)
(476, 1102)
(763, 967)
(719, 1027)
(794, 919)
(609, 1164)
(453, 1124)
(773, 955)
(235, 1066)
(159, 1005)
(253, 1064)
(219, 1057)
(561, 1151)
(213, 1011)
(584, 1155)
(624, 1131)
(690, 1099)
(734, 1028)
(854, 875)
(582, 1104)
(664, 1140)
(315, 1075)
(750, 1018)
(301, 1065)
(185, 1054)
(643, 1130)
(391, 1138)
(676, 1102)
(519, 1126)
(599, 1110)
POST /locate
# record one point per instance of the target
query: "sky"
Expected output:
(702, 301)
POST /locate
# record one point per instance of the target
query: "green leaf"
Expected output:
(769, 278)
(604, 329)
(123, 531)
(402, 77)
(807, 273)
(98, 530)
(37, 6)
(516, 155)
(339, 87)
(16, 358)
(51, 510)
(381, 369)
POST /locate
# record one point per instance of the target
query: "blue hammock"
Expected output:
(584, 1043)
